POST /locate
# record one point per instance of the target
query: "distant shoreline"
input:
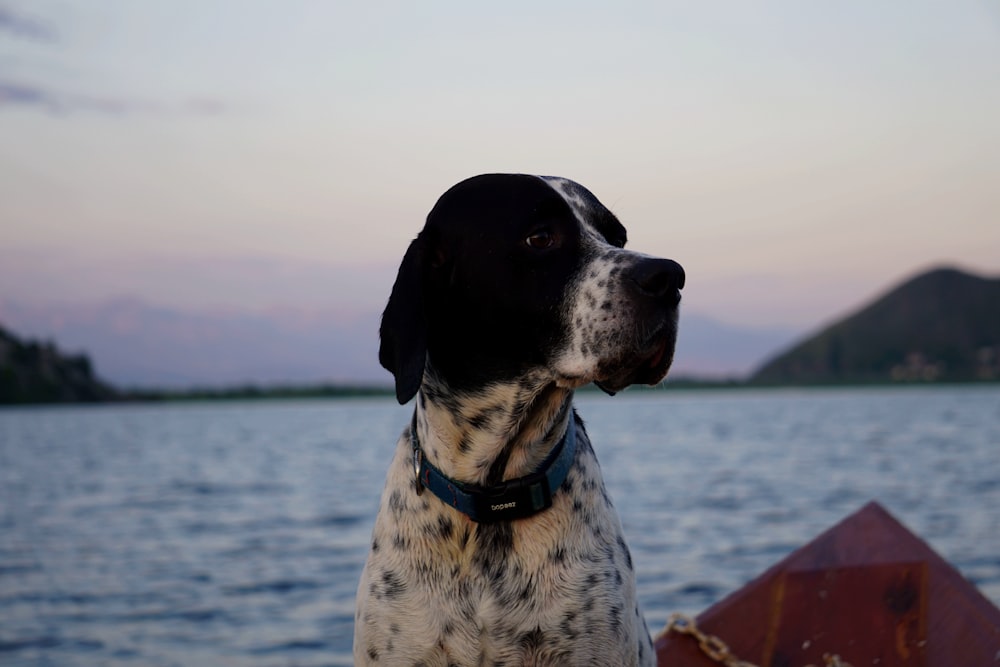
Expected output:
(337, 391)
(254, 392)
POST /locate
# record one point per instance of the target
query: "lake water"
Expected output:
(234, 533)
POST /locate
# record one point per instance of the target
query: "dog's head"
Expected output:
(516, 276)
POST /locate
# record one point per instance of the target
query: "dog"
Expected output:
(496, 542)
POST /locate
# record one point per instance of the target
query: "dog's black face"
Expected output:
(514, 275)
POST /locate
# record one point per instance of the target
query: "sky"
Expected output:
(795, 157)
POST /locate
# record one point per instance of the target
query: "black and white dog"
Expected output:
(496, 542)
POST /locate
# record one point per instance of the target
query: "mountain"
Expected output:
(32, 372)
(709, 348)
(140, 345)
(940, 325)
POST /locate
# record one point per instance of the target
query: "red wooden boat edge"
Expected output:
(867, 590)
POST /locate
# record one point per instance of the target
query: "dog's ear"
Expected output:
(403, 347)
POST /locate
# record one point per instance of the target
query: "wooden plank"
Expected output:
(867, 590)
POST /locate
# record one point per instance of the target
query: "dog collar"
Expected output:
(515, 499)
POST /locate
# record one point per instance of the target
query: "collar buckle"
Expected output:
(515, 499)
(418, 461)
(418, 456)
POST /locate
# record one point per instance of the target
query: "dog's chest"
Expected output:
(438, 587)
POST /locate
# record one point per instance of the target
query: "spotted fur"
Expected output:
(494, 374)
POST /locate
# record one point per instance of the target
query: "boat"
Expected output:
(865, 592)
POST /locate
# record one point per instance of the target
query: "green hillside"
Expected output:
(32, 372)
(943, 325)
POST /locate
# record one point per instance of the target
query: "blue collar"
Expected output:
(515, 499)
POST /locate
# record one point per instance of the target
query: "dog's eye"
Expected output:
(540, 240)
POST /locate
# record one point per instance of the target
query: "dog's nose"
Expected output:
(658, 277)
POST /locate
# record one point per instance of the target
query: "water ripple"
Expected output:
(235, 533)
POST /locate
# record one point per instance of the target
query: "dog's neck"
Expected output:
(498, 433)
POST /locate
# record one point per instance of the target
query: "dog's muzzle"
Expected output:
(654, 288)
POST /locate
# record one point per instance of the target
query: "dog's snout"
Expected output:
(658, 277)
